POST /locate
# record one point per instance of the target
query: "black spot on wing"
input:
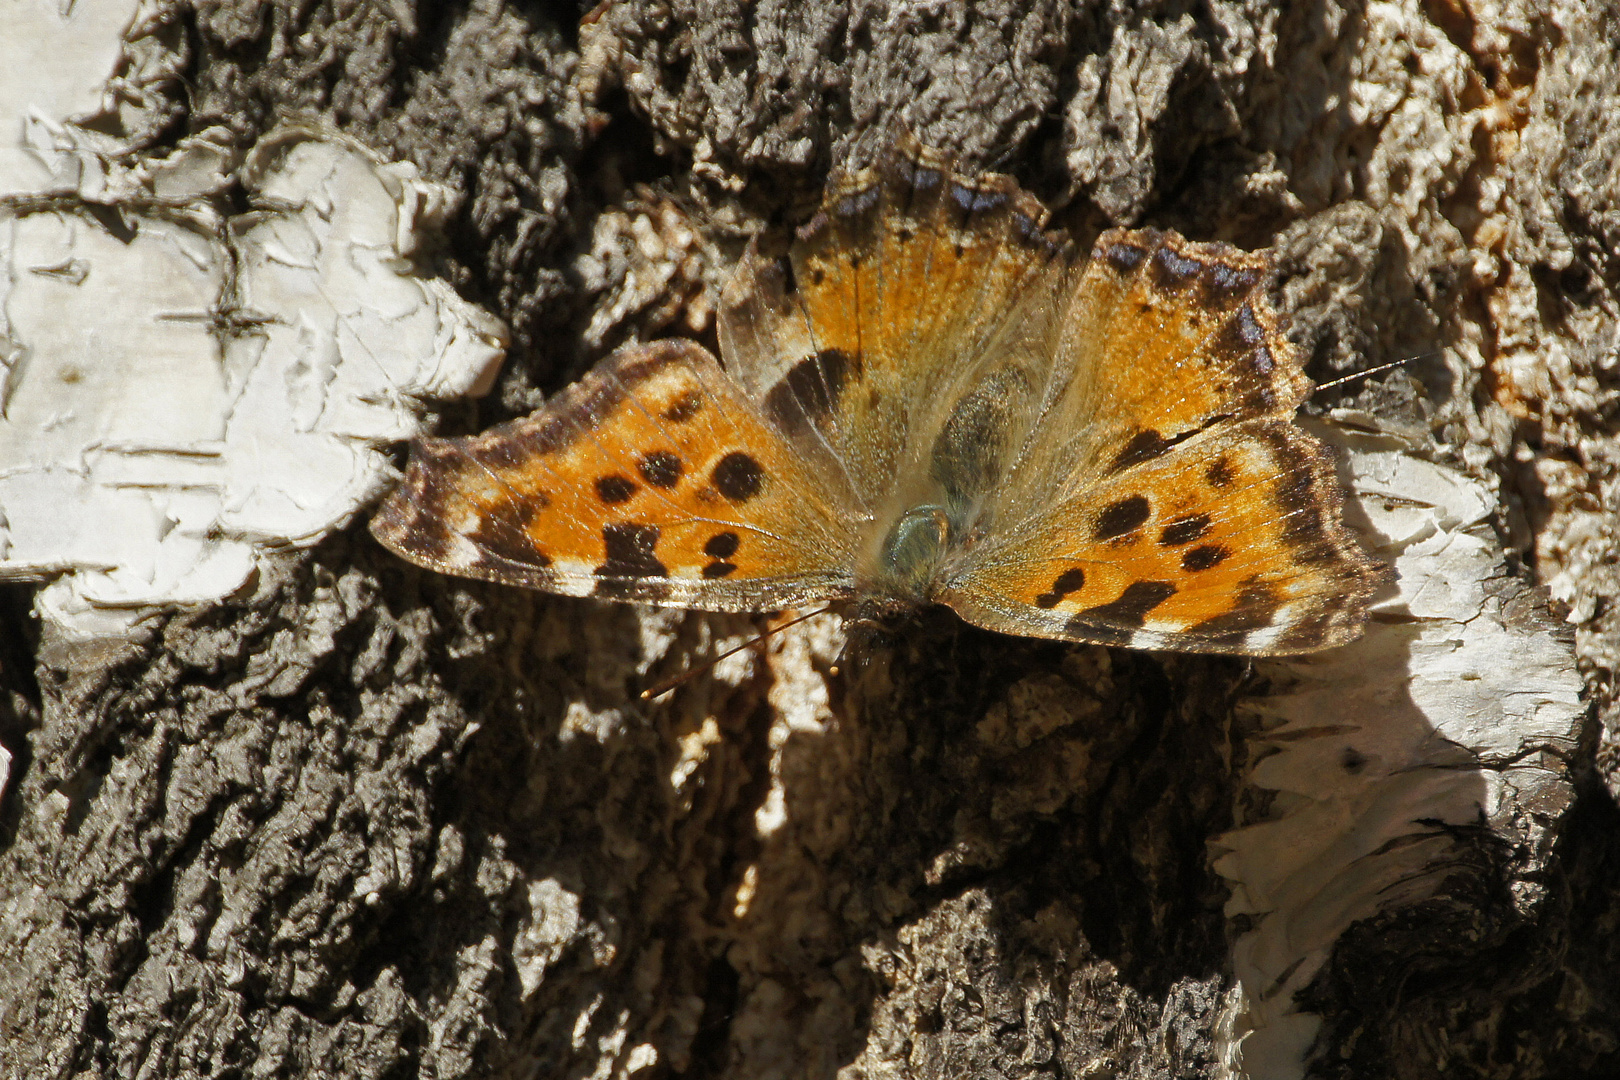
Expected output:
(1184, 530)
(1219, 472)
(1122, 518)
(1071, 580)
(614, 488)
(1203, 557)
(738, 476)
(660, 468)
(722, 545)
(808, 393)
(683, 408)
(629, 550)
(1145, 445)
(1131, 608)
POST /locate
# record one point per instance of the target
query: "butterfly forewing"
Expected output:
(652, 479)
(1166, 499)
(1170, 337)
(1225, 543)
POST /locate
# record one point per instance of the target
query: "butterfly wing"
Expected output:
(652, 479)
(885, 311)
(1165, 498)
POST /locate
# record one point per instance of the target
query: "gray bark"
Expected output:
(371, 822)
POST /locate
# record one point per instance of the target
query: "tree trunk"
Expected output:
(360, 820)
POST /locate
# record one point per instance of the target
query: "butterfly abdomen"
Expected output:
(969, 455)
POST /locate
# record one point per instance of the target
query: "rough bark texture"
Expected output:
(369, 822)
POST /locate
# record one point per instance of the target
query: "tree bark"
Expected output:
(365, 821)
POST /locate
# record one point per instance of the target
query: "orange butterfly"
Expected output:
(929, 399)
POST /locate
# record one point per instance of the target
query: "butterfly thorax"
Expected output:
(937, 492)
(911, 555)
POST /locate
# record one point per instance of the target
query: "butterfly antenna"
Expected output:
(674, 682)
(1370, 371)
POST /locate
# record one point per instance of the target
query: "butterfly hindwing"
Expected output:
(1167, 338)
(891, 305)
(651, 479)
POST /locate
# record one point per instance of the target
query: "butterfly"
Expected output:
(927, 398)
